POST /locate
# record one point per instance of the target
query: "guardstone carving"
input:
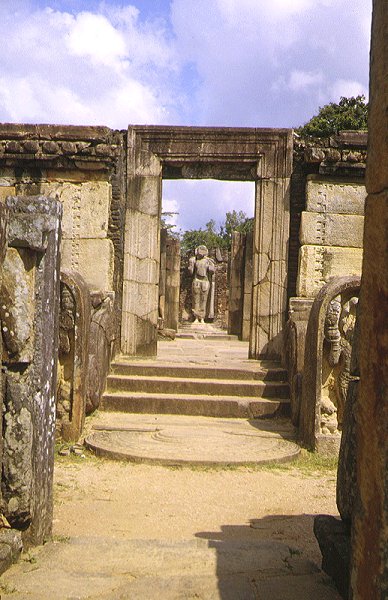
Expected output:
(326, 370)
(73, 355)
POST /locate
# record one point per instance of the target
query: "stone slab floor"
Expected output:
(135, 531)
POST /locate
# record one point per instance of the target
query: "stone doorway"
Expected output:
(263, 156)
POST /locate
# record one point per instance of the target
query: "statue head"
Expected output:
(201, 251)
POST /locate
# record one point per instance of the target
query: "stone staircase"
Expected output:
(247, 390)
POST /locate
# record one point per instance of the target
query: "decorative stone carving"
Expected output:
(202, 268)
(74, 330)
(326, 370)
(295, 347)
(339, 326)
(102, 335)
(29, 316)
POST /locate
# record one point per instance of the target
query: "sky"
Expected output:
(254, 63)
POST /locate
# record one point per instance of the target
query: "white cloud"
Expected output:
(101, 67)
(303, 80)
(247, 52)
(93, 36)
(347, 88)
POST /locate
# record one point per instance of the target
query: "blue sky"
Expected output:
(256, 63)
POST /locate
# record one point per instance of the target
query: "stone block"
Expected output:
(17, 305)
(318, 263)
(85, 206)
(93, 259)
(334, 541)
(324, 229)
(6, 190)
(30, 379)
(334, 196)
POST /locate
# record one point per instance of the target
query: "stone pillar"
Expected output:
(29, 310)
(73, 355)
(269, 284)
(369, 576)
(247, 288)
(240, 285)
(162, 278)
(173, 277)
(236, 283)
(141, 252)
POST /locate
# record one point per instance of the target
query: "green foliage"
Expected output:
(350, 113)
(169, 226)
(213, 238)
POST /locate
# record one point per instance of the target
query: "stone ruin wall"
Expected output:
(84, 168)
(327, 211)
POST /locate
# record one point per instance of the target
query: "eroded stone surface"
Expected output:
(317, 264)
(93, 259)
(30, 386)
(331, 230)
(335, 196)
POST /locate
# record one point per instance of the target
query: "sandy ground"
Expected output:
(132, 501)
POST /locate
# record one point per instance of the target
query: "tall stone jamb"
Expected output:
(141, 251)
(240, 285)
(29, 310)
(75, 314)
(326, 372)
(269, 280)
(369, 575)
(173, 268)
(236, 283)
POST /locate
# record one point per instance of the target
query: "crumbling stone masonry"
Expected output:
(29, 309)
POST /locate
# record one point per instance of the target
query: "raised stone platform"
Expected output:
(182, 440)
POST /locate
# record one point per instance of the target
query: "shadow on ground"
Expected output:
(267, 560)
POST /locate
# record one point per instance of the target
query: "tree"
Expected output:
(349, 113)
(213, 238)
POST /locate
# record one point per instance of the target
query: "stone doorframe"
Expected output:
(260, 155)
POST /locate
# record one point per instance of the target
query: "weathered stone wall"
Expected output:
(369, 576)
(84, 168)
(327, 206)
(29, 311)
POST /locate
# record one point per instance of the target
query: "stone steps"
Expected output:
(194, 404)
(194, 386)
(263, 371)
(259, 390)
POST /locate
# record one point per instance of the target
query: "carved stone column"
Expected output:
(29, 310)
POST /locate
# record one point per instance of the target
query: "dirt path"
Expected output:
(123, 506)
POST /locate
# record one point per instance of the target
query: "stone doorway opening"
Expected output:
(263, 156)
(206, 211)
